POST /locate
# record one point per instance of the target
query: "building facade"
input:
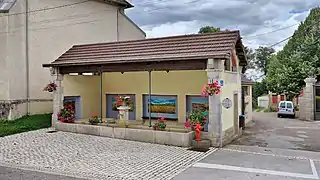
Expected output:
(28, 40)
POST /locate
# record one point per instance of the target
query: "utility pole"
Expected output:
(27, 58)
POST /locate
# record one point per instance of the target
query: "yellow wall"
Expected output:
(88, 88)
(228, 90)
(180, 83)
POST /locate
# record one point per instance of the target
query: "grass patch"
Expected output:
(258, 109)
(24, 124)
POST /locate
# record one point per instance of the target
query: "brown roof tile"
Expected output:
(196, 46)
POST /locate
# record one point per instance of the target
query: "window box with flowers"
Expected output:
(67, 114)
(50, 87)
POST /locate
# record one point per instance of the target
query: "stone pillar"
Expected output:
(57, 98)
(214, 125)
(307, 107)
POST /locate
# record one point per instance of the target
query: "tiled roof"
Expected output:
(245, 80)
(196, 46)
(6, 5)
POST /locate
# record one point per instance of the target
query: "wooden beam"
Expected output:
(200, 64)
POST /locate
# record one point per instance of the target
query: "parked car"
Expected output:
(286, 109)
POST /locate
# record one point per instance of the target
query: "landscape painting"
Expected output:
(198, 103)
(161, 106)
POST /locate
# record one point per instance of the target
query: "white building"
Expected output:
(51, 27)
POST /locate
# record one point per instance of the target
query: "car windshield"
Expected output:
(283, 105)
(289, 105)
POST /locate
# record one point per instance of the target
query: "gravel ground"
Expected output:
(93, 157)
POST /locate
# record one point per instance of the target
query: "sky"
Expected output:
(261, 22)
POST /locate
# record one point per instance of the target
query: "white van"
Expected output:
(286, 108)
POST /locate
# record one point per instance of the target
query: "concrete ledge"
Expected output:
(150, 136)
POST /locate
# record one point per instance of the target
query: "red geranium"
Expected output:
(211, 89)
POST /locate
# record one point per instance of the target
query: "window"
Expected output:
(289, 105)
(5, 5)
(283, 105)
(245, 90)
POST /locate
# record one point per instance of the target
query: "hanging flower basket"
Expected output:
(50, 87)
(211, 89)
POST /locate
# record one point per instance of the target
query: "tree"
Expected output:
(300, 56)
(258, 89)
(262, 59)
(208, 29)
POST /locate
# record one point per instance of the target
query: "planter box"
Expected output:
(150, 136)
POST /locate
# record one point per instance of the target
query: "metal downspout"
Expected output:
(149, 102)
(27, 59)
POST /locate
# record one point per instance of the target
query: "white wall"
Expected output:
(263, 101)
(4, 93)
(51, 33)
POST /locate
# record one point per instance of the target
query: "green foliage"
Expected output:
(94, 119)
(197, 116)
(24, 124)
(258, 89)
(258, 109)
(271, 109)
(299, 57)
(208, 29)
(262, 58)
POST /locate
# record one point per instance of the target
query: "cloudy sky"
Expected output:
(261, 22)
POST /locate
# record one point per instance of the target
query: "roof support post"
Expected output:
(149, 101)
(57, 96)
(215, 121)
(101, 91)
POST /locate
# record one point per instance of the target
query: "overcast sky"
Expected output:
(252, 17)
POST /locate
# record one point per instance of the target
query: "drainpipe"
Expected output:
(27, 58)
(118, 10)
(149, 104)
(220, 122)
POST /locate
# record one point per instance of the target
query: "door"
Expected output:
(317, 103)
(113, 112)
(76, 104)
(236, 114)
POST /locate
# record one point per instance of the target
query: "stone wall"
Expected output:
(14, 109)
(307, 101)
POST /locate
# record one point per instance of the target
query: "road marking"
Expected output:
(274, 155)
(254, 170)
(312, 128)
(313, 168)
(212, 150)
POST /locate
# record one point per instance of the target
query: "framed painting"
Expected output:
(200, 103)
(75, 101)
(161, 106)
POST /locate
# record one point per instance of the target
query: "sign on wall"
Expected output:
(227, 103)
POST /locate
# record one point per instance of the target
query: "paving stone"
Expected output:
(94, 157)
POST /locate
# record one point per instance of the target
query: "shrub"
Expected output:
(94, 119)
(160, 124)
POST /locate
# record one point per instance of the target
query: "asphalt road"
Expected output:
(285, 133)
(7, 173)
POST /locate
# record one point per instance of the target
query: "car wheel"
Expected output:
(279, 116)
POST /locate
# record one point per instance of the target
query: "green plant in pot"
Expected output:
(194, 117)
(93, 120)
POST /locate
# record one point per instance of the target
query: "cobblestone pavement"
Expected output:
(270, 131)
(94, 157)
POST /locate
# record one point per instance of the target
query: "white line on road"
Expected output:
(253, 170)
(312, 128)
(269, 154)
(314, 170)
